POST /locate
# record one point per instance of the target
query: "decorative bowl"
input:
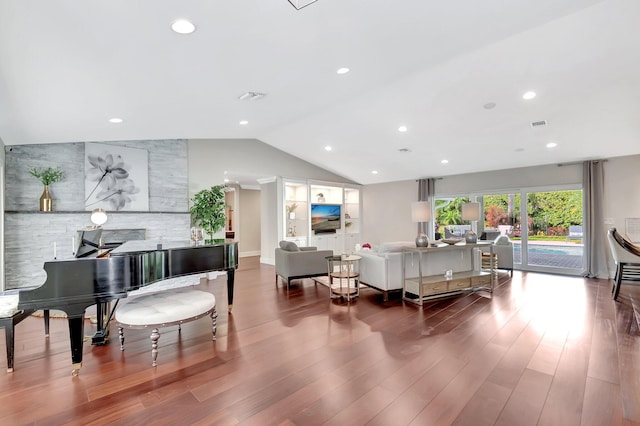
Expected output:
(452, 241)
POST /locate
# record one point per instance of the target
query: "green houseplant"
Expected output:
(208, 209)
(47, 176)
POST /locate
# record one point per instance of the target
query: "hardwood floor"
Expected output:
(545, 349)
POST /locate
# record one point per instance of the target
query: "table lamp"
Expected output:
(98, 217)
(421, 213)
(471, 212)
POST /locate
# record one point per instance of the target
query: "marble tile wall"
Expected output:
(30, 238)
(168, 175)
(30, 234)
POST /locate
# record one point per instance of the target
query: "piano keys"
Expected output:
(74, 285)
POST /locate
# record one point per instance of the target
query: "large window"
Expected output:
(545, 226)
(448, 217)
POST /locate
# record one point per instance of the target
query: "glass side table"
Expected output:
(344, 276)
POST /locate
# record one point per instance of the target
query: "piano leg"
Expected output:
(76, 336)
(46, 322)
(230, 281)
(101, 336)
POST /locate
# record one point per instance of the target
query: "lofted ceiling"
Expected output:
(452, 72)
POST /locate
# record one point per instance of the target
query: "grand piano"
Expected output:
(75, 284)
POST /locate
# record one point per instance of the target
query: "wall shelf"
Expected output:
(304, 193)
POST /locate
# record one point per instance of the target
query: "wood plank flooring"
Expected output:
(544, 350)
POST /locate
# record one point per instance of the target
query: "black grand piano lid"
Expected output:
(89, 242)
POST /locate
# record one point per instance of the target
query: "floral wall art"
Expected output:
(116, 178)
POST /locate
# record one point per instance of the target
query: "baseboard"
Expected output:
(249, 253)
(267, 260)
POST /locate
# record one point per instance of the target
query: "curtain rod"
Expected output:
(581, 162)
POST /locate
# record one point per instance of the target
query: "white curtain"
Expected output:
(594, 233)
(426, 192)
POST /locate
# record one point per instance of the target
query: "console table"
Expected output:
(431, 281)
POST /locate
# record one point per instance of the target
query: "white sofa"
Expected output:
(381, 268)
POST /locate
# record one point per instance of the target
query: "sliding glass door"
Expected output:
(555, 233)
(544, 225)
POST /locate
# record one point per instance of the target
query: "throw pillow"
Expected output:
(502, 240)
(394, 247)
(289, 246)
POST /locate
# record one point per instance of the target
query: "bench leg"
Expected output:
(155, 335)
(9, 325)
(214, 321)
(121, 337)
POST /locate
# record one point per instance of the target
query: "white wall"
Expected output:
(2, 158)
(210, 158)
(509, 179)
(386, 211)
(269, 219)
(621, 190)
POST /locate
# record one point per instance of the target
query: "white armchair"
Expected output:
(503, 249)
(627, 258)
(293, 262)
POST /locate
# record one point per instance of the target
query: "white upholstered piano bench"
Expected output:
(164, 309)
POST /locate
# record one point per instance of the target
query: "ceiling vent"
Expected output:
(299, 4)
(404, 150)
(251, 96)
(539, 123)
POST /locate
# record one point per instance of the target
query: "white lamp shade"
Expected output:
(471, 211)
(98, 217)
(420, 211)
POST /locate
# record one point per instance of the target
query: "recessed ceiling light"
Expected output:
(115, 120)
(445, 161)
(529, 95)
(374, 172)
(519, 150)
(252, 96)
(327, 148)
(182, 26)
(552, 145)
(244, 122)
(404, 150)
(343, 70)
(226, 181)
(489, 105)
(402, 129)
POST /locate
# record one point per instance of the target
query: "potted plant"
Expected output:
(47, 176)
(291, 210)
(208, 209)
